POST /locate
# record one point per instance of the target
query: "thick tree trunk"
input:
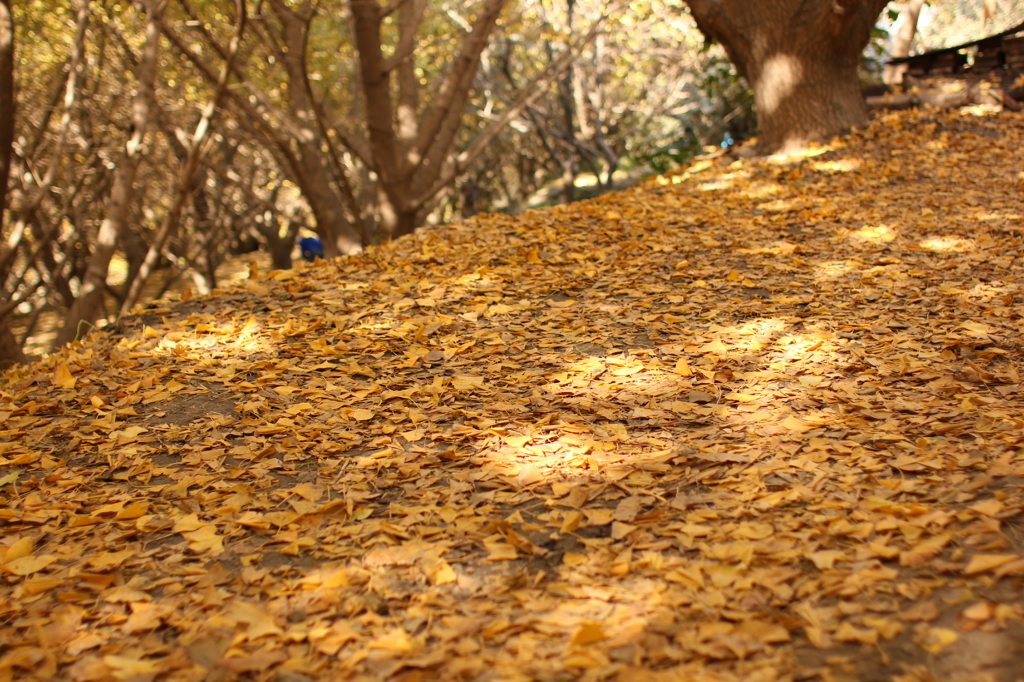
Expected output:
(89, 304)
(901, 42)
(800, 59)
(802, 99)
(338, 235)
(280, 248)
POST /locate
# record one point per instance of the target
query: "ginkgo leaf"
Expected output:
(18, 548)
(588, 633)
(205, 539)
(980, 563)
(925, 551)
(397, 640)
(107, 560)
(62, 377)
(749, 416)
(934, 640)
(501, 551)
(976, 327)
(125, 668)
(28, 564)
(34, 586)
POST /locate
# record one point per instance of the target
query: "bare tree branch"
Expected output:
(527, 96)
(27, 212)
(89, 303)
(196, 151)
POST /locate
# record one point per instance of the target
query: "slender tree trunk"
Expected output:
(410, 153)
(565, 97)
(10, 349)
(800, 59)
(470, 192)
(89, 304)
(281, 247)
(7, 99)
(903, 40)
(338, 234)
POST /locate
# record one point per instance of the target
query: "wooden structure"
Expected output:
(1000, 52)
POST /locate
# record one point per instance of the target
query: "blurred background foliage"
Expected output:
(948, 23)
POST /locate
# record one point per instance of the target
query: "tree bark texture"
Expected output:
(410, 151)
(292, 133)
(800, 58)
(7, 100)
(89, 304)
(338, 234)
(565, 98)
(10, 349)
(901, 42)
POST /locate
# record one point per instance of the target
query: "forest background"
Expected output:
(154, 142)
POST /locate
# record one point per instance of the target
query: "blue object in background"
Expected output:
(311, 248)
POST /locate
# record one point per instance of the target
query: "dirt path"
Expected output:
(757, 421)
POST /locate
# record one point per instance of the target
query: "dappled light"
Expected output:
(875, 233)
(723, 183)
(648, 435)
(779, 247)
(777, 206)
(791, 156)
(833, 270)
(208, 338)
(948, 243)
(837, 166)
(1004, 220)
(763, 190)
(781, 73)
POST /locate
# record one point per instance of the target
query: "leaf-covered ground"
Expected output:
(760, 420)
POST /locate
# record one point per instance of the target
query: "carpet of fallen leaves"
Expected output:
(757, 420)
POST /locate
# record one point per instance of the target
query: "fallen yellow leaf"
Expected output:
(588, 633)
(980, 563)
(62, 377)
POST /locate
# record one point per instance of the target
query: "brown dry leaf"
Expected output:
(501, 551)
(397, 640)
(259, 661)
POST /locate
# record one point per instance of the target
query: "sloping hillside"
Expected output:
(760, 420)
